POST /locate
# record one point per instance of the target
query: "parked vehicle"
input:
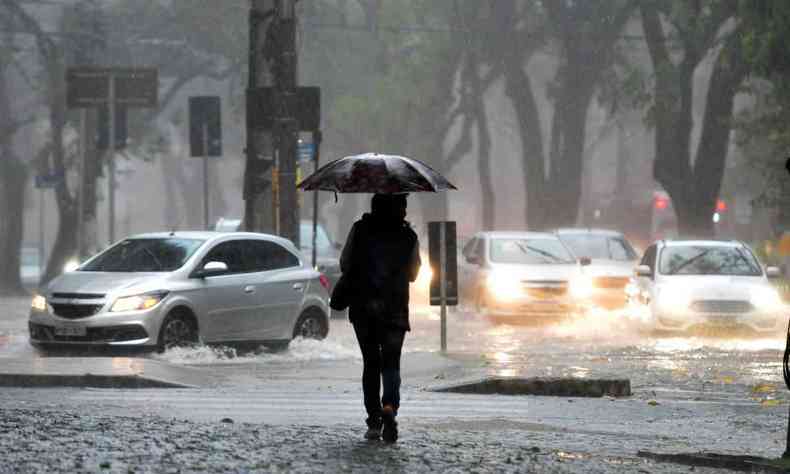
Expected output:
(170, 289)
(612, 262)
(521, 277)
(684, 285)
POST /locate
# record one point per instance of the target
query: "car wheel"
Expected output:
(178, 330)
(311, 325)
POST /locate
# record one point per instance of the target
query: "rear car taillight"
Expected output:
(324, 281)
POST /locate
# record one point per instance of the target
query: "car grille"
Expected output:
(44, 333)
(722, 306)
(75, 311)
(610, 282)
(78, 296)
(545, 289)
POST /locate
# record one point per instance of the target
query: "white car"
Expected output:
(683, 285)
(612, 262)
(518, 277)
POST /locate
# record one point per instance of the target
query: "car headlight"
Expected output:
(39, 303)
(581, 286)
(70, 266)
(504, 285)
(424, 277)
(674, 297)
(137, 302)
(765, 298)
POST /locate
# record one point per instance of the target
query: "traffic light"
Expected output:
(661, 203)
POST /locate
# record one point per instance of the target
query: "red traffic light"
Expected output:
(721, 206)
(661, 203)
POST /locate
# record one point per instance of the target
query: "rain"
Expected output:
(179, 180)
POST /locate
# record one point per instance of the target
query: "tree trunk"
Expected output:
(13, 178)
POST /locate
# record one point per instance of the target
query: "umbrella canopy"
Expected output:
(376, 173)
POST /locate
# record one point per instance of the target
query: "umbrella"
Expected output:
(376, 173)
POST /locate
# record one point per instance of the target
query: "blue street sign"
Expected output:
(43, 181)
(306, 151)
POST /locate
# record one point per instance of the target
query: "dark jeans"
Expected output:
(381, 347)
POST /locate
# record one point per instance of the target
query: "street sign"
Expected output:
(103, 132)
(450, 272)
(262, 109)
(51, 180)
(205, 119)
(306, 152)
(90, 86)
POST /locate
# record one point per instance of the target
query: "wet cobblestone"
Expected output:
(62, 441)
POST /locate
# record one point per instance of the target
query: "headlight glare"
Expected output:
(674, 298)
(503, 285)
(137, 302)
(581, 286)
(39, 303)
(765, 298)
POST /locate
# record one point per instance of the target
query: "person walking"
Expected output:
(382, 253)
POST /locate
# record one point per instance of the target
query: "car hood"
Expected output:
(545, 272)
(610, 268)
(714, 287)
(106, 282)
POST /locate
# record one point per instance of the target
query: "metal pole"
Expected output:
(316, 154)
(41, 263)
(81, 195)
(111, 161)
(205, 177)
(443, 280)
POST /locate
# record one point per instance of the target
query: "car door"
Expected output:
(225, 299)
(280, 283)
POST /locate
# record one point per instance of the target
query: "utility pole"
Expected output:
(258, 173)
(286, 124)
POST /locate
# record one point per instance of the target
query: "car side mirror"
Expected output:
(473, 259)
(211, 269)
(584, 261)
(643, 271)
(773, 272)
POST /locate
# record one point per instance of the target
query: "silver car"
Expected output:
(179, 288)
(517, 277)
(685, 285)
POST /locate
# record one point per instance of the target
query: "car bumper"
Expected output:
(609, 298)
(127, 329)
(532, 308)
(757, 321)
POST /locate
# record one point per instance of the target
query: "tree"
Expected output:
(679, 36)
(585, 33)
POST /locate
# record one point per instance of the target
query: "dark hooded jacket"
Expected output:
(383, 257)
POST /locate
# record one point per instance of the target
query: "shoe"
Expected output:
(374, 428)
(390, 432)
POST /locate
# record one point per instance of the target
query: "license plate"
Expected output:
(70, 331)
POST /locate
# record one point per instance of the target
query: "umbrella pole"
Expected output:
(316, 155)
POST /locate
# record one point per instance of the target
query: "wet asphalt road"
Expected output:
(722, 393)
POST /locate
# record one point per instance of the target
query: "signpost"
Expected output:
(442, 255)
(205, 138)
(112, 87)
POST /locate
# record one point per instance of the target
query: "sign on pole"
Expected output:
(263, 107)
(43, 181)
(90, 86)
(205, 116)
(442, 257)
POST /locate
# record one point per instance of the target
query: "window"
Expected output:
(144, 255)
(619, 249)
(529, 251)
(263, 255)
(230, 253)
(708, 260)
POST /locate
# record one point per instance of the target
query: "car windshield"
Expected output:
(323, 244)
(30, 257)
(144, 255)
(529, 251)
(599, 246)
(706, 260)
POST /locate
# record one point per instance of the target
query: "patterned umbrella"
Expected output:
(376, 173)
